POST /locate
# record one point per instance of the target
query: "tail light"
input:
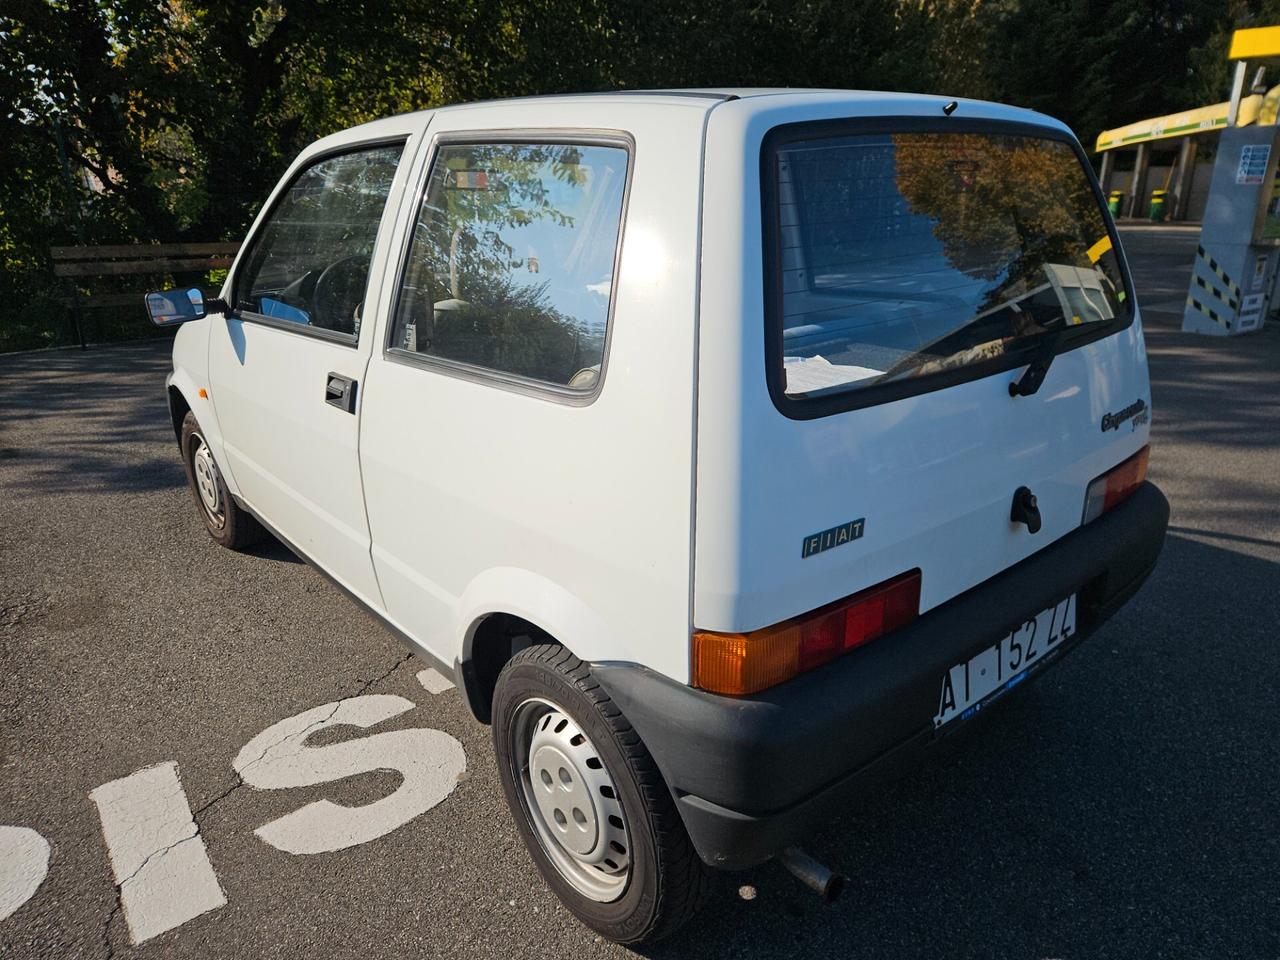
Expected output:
(740, 663)
(1115, 485)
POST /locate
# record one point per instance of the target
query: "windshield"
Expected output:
(908, 254)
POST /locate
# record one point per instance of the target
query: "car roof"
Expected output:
(709, 94)
(877, 102)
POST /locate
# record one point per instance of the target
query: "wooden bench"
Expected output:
(143, 259)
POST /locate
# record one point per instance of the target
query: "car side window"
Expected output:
(309, 263)
(511, 265)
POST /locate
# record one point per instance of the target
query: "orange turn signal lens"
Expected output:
(744, 663)
(741, 663)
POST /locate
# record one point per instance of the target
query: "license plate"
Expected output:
(968, 687)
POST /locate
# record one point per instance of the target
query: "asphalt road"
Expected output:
(1125, 805)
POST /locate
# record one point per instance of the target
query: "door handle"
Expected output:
(340, 392)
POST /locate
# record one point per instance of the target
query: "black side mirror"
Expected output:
(172, 307)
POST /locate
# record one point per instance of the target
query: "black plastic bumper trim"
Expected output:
(751, 774)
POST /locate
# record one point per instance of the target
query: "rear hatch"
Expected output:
(913, 269)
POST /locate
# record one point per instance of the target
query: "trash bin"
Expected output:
(1157, 210)
(1114, 201)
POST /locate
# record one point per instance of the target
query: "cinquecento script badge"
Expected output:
(1135, 411)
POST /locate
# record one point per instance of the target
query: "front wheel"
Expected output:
(589, 800)
(226, 522)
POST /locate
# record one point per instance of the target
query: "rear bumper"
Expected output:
(754, 774)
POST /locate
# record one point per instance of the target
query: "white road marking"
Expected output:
(24, 863)
(157, 855)
(430, 761)
(433, 681)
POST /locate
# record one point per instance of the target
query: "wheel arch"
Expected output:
(179, 406)
(507, 609)
(491, 642)
(184, 397)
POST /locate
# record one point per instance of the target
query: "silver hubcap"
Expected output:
(572, 801)
(207, 480)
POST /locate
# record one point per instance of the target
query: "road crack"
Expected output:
(15, 611)
(365, 687)
(118, 904)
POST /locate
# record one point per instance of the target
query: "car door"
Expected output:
(527, 437)
(286, 364)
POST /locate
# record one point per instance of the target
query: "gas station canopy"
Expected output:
(1254, 43)
(1199, 120)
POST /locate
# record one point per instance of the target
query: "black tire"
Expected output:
(667, 882)
(230, 526)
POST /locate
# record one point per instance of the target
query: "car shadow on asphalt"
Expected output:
(269, 548)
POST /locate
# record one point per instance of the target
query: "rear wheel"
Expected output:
(226, 522)
(589, 800)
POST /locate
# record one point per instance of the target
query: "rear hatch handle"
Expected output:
(1025, 509)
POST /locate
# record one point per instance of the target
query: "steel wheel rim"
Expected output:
(208, 480)
(571, 800)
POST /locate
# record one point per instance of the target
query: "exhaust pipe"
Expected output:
(812, 874)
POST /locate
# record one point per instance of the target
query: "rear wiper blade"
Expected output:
(1038, 368)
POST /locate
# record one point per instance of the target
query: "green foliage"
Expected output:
(512, 328)
(161, 120)
(1102, 63)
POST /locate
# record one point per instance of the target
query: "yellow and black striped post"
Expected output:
(1223, 311)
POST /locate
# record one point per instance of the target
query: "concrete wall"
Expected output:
(1199, 190)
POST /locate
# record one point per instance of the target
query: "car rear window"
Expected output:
(916, 259)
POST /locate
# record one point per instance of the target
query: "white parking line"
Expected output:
(157, 855)
(429, 761)
(24, 861)
(433, 681)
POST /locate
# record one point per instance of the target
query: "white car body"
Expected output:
(676, 497)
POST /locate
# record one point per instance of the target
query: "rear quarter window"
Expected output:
(511, 267)
(915, 255)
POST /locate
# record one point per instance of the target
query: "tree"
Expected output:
(1210, 71)
(1099, 63)
(157, 120)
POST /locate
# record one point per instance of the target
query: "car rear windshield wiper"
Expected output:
(1038, 368)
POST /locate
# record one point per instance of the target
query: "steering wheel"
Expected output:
(339, 292)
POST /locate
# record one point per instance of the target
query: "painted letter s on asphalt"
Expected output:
(24, 862)
(430, 761)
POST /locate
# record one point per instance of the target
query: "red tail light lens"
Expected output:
(821, 639)
(1115, 485)
(740, 663)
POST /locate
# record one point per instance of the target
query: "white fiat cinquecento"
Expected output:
(727, 447)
